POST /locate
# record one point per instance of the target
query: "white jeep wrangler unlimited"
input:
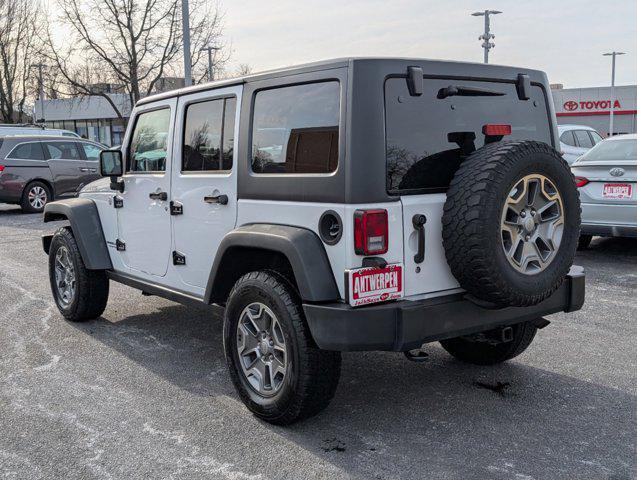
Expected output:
(356, 204)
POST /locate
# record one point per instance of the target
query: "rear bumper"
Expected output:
(605, 230)
(405, 324)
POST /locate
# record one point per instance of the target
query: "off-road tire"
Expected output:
(91, 286)
(584, 241)
(483, 353)
(24, 201)
(471, 222)
(313, 375)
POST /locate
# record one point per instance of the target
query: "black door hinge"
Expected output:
(176, 208)
(179, 258)
(121, 246)
(118, 202)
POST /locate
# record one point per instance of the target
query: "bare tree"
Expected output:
(133, 43)
(19, 30)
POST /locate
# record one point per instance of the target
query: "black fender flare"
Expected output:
(87, 229)
(302, 248)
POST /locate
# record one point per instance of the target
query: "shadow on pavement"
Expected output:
(390, 415)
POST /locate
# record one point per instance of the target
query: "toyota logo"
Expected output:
(570, 105)
(617, 172)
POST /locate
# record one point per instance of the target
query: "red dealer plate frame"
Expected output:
(373, 285)
(617, 191)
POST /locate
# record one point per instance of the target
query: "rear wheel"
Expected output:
(35, 196)
(278, 371)
(80, 294)
(478, 350)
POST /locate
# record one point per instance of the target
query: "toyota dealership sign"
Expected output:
(590, 105)
(594, 101)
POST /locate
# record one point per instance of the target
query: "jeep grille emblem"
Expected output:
(617, 172)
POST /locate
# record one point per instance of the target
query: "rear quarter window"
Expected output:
(27, 151)
(428, 137)
(295, 129)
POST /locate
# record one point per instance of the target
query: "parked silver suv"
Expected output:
(36, 169)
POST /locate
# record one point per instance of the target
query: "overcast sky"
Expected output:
(565, 38)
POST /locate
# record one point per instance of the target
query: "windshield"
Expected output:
(611, 150)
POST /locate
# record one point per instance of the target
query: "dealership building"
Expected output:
(591, 106)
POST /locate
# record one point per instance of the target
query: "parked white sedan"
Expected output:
(607, 180)
(576, 140)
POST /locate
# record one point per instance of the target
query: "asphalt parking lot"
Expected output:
(143, 393)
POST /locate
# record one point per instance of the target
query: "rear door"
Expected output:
(67, 166)
(428, 136)
(204, 180)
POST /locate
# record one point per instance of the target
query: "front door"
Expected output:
(144, 218)
(204, 186)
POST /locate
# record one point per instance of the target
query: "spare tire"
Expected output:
(511, 223)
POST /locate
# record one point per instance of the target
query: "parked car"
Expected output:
(393, 203)
(607, 180)
(37, 169)
(576, 140)
(32, 129)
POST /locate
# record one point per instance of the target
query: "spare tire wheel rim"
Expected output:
(262, 349)
(532, 224)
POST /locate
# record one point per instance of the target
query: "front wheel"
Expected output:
(80, 294)
(278, 371)
(479, 351)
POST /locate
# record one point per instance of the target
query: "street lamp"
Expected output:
(612, 89)
(40, 67)
(487, 36)
(185, 25)
(210, 49)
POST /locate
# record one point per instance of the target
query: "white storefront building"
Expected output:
(591, 106)
(91, 117)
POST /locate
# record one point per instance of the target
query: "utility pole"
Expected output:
(612, 89)
(40, 66)
(487, 36)
(185, 21)
(210, 49)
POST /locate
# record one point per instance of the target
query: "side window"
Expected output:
(295, 129)
(595, 136)
(92, 152)
(208, 131)
(567, 138)
(28, 151)
(149, 144)
(63, 150)
(583, 139)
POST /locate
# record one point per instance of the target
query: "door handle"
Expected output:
(219, 199)
(92, 170)
(419, 221)
(163, 196)
(82, 169)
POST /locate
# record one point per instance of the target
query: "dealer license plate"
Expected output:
(372, 284)
(618, 191)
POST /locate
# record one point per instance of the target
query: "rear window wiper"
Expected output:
(460, 91)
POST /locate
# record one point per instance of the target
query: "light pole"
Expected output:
(185, 24)
(210, 49)
(487, 36)
(40, 66)
(612, 89)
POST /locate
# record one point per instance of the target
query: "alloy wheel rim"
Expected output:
(37, 197)
(532, 224)
(64, 277)
(262, 349)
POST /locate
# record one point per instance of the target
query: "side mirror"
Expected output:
(111, 165)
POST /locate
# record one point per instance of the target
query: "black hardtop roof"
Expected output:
(468, 69)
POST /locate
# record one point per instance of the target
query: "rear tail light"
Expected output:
(371, 235)
(496, 130)
(1, 167)
(581, 181)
